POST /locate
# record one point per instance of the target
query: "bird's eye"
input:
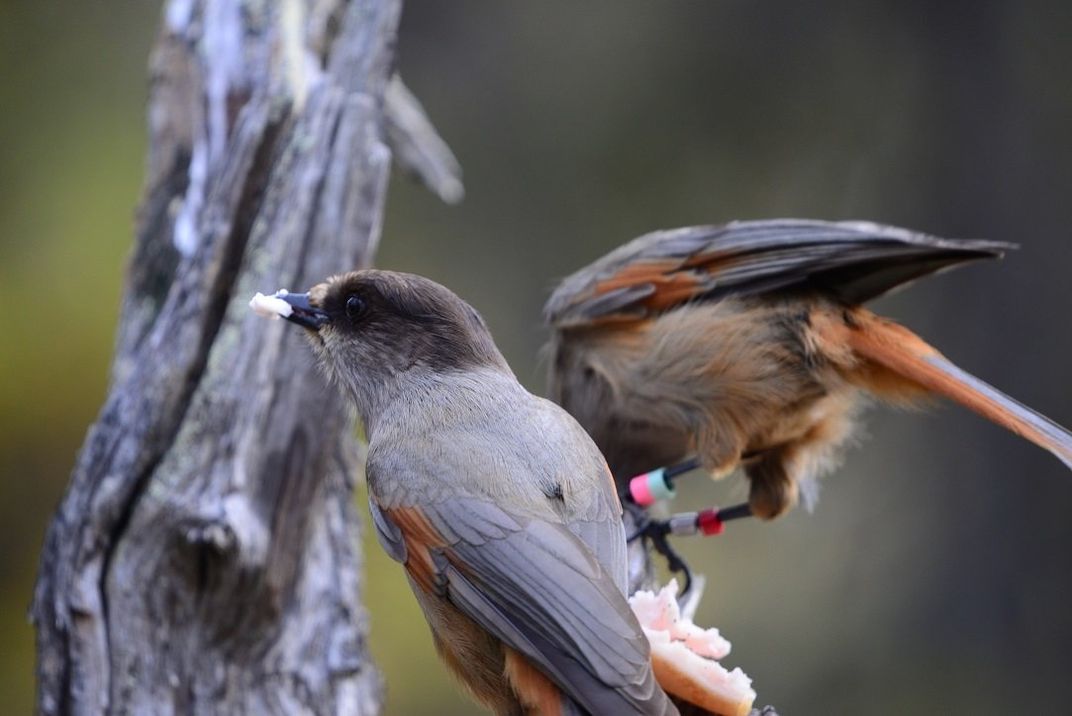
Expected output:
(355, 307)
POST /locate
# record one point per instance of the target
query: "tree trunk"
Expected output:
(205, 556)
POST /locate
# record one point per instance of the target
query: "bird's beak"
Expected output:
(302, 312)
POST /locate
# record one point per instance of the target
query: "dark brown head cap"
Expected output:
(400, 321)
(383, 334)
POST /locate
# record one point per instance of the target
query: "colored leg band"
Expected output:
(649, 488)
(709, 522)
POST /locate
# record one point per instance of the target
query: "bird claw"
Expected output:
(655, 533)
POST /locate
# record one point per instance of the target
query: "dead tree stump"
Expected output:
(204, 558)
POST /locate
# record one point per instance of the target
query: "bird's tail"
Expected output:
(893, 349)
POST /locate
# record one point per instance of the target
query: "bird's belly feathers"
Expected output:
(727, 379)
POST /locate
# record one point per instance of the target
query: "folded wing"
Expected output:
(537, 587)
(854, 261)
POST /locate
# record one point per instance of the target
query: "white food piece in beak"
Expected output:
(271, 306)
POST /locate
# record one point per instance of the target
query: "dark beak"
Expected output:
(304, 314)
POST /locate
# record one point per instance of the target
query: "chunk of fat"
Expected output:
(684, 656)
(271, 306)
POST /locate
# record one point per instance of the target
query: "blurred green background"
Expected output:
(934, 576)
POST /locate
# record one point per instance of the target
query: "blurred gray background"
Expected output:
(934, 576)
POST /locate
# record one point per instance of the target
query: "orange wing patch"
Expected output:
(420, 538)
(672, 290)
(639, 272)
(712, 262)
(534, 690)
(672, 286)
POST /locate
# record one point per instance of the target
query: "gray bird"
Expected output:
(497, 503)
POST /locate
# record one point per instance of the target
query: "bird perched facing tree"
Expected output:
(747, 345)
(497, 503)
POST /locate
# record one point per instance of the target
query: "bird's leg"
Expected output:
(641, 519)
(674, 561)
(656, 532)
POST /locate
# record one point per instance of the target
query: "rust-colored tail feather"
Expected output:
(905, 354)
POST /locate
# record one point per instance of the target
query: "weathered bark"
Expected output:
(205, 558)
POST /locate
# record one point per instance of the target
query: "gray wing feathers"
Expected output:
(855, 260)
(606, 539)
(388, 534)
(583, 696)
(615, 301)
(472, 522)
(542, 591)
